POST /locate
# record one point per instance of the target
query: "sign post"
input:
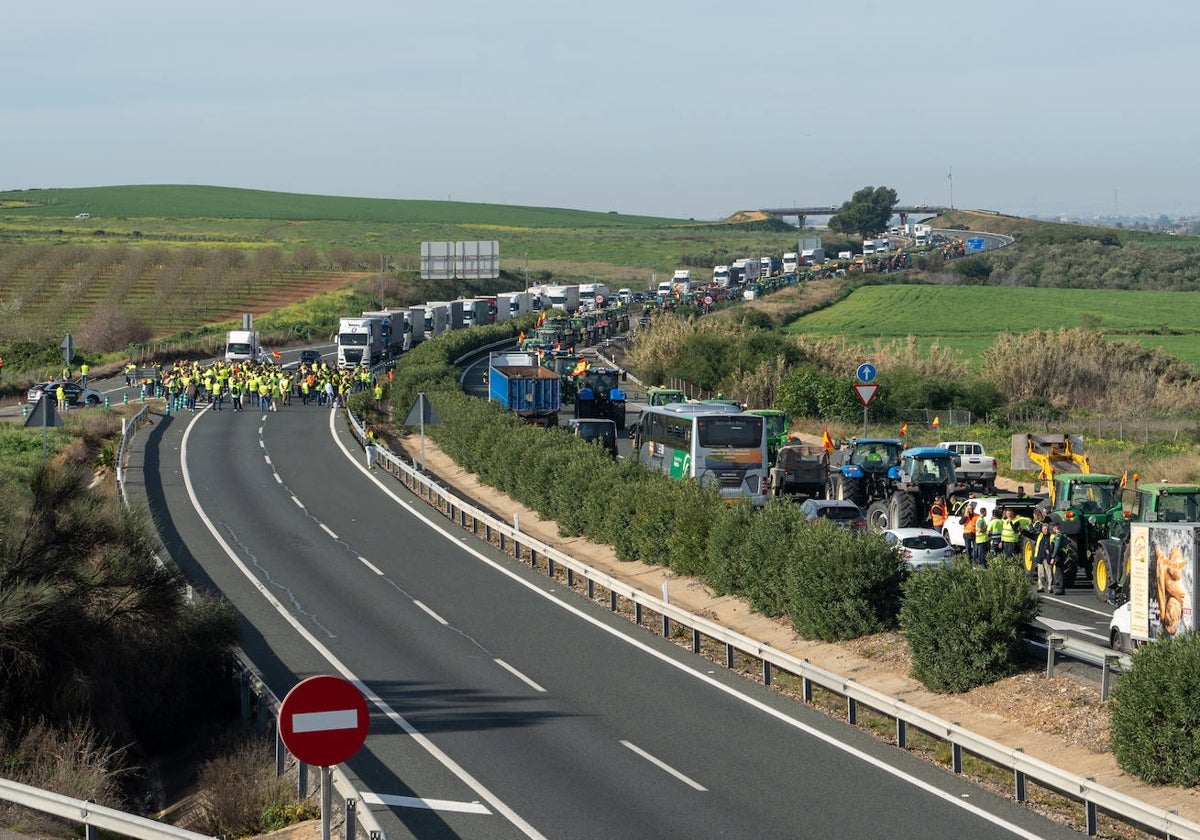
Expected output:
(323, 721)
(866, 391)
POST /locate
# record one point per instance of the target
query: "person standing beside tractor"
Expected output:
(1043, 556)
(1058, 558)
(1010, 534)
(982, 541)
(937, 515)
(970, 522)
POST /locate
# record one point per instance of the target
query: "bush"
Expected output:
(964, 625)
(842, 585)
(1155, 729)
(239, 794)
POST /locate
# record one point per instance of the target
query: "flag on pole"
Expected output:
(521, 337)
(581, 368)
(937, 421)
(904, 429)
(1124, 479)
(826, 440)
(541, 318)
(276, 354)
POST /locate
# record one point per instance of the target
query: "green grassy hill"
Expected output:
(201, 202)
(967, 318)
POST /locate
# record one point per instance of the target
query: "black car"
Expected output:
(73, 391)
(310, 357)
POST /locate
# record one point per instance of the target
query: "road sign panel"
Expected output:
(975, 243)
(866, 373)
(68, 348)
(599, 300)
(866, 393)
(709, 300)
(323, 720)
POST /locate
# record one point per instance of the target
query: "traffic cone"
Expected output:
(124, 398)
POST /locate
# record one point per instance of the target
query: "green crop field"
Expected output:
(967, 318)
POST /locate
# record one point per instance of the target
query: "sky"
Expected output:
(690, 109)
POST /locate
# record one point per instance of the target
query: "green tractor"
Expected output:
(777, 429)
(1145, 503)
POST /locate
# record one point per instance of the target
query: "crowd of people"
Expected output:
(264, 387)
(1001, 535)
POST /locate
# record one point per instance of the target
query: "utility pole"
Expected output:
(383, 266)
(950, 178)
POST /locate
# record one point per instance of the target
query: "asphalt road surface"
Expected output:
(503, 707)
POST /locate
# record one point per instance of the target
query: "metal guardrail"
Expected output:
(128, 430)
(1094, 797)
(92, 816)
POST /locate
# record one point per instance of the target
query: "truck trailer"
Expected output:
(520, 384)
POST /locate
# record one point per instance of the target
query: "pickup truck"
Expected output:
(974, 467)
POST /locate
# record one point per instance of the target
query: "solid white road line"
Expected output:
(831, 740)
(303, 632)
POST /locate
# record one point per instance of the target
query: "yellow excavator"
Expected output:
(1084, 503)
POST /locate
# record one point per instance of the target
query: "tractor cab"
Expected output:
(925, 465)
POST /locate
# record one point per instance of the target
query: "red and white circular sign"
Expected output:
(599, 299)
(323, 720)
(708, 300)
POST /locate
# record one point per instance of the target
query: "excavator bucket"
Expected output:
(1061, 453)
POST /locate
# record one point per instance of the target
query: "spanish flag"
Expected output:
(541, 318)
(275, 353)
(521, 337)
(904, 430)
(581, 368)
(1124, 479)
(936, 422)
(826, 440)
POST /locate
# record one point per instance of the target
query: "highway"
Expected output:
(503, 707)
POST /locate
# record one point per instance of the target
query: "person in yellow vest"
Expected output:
(995, 527)
(1010, 534)
(981, 541)
(83, 374)
(378, 392)
(60, 393)
(130, 370)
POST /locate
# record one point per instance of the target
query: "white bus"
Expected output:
(717, 445)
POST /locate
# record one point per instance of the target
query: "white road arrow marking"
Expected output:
(1081, 629)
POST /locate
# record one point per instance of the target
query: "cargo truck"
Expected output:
(520, 384)
(720, 276)
(243, 346)
(391, 331)
(475, 312)
(791, 261)
(416, 323)
(565, 298)
(437, 318)
(744, 270)
(359, 342)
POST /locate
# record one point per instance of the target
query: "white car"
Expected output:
(921, 548)
(1120, 630)
(952, 528)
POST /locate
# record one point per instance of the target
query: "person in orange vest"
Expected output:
(970, 521)
(937, 513)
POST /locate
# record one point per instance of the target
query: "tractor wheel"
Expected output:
(1071, 566)
(905, 511)
(878, 518)
(833, 488)
(1102, 577)
(853, 491)
(1027, 557)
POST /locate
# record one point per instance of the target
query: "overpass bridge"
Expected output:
(802, 213)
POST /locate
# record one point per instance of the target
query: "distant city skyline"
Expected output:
(685, 110)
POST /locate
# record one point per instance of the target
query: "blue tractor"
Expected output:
(599, 394)
(924, 475)
(858, 471)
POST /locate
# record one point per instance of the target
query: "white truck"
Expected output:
(475, 312)
(391, 330)
(665, 288)
(244, 346)
(791, 261)
(588, 292)
(437, 318)
(681, 281)
(565, 298)
(921, 234)
(812, 256)
(416, 323)
(513, 304)
(744, 270)
(974, 465)
(721, 277)
(359, 342)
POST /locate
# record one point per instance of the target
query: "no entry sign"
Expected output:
(323, 720)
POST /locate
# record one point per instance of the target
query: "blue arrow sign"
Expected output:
(975, 244)
(866, 372)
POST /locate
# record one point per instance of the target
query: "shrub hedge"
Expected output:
(963, 624)
(1155, 728)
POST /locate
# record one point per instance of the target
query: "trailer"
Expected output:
(359, 342)
(437, 318)
(520, 384)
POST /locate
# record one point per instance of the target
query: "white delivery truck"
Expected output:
(721, 276)
(416, 323)
(745, 270)
(565, 298)
(391, 331)
(243, 346)
(791, 261)
(359, 342)
(437, 318)
(475, 312)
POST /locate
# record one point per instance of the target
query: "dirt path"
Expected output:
(1060, 721)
